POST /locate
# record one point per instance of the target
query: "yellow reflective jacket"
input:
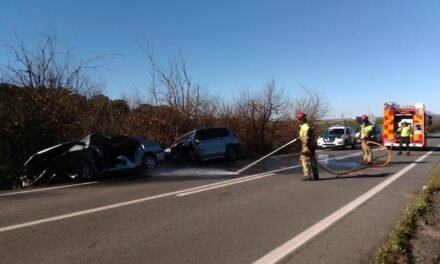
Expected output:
(304, 131)
(405, 131)
(366, 130)
(307, 136)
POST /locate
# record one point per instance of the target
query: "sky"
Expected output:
(356, 54)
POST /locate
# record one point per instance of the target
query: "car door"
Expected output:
(219, 141)
(201, 143)
(206, 143)
(213, 144)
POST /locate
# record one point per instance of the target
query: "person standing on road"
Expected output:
(308, 147)
(366, 133)
(405, 136)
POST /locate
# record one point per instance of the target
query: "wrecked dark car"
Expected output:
(90, 158)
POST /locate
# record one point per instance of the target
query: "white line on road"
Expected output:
(47, 189)
(185, 191)
(299, 240)
(254, 177)
(224, 184)
(84, 212)
(116, 205)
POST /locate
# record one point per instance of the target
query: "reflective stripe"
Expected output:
(366, 129)
(405, 131)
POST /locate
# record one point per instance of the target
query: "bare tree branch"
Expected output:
(50, 68)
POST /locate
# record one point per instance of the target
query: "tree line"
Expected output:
(47, 98)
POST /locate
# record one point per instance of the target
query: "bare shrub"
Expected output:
(313, 104)
(47, 67)
(260, 115)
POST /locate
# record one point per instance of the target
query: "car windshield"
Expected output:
(334, 131)
(184, 137)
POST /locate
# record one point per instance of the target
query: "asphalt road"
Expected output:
(209, 215)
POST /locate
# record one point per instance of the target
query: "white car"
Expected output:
(337, 136)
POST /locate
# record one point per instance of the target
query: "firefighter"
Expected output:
(308, 147)
(405, 136)
(366, 133)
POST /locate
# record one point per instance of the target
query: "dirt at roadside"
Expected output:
(425, 243)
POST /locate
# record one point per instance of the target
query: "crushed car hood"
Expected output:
(55, 151)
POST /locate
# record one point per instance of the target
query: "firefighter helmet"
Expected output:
(364, 118)
(301, 116)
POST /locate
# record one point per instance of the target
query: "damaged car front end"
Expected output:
(69, 160)
(94, 156)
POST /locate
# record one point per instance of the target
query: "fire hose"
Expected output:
(388, 159)
(383, 164)
(278, 149)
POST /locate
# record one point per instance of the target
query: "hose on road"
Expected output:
(387, 155)
(382, 164)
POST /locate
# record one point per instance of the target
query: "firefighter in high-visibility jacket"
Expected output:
(308, 147)
(405, 137)
(366, 133)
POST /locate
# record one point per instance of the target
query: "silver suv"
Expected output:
(337, 136)
(205, 143)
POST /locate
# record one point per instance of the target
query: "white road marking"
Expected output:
(84, 212)
(117, 205)
(299, 240)
(47, 189)
(225, 184)
(254, 177)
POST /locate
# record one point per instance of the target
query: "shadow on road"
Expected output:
(407, 162)
(356, 176)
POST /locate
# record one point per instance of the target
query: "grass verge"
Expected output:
(396, 249)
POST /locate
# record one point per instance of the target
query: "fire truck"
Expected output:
(394, 115)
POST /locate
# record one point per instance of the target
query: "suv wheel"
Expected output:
(149, 162)
(231, 153)
(345, 145)
(192, 155)
(353, 145)
(87, 170)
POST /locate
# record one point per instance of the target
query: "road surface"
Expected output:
(209, 215)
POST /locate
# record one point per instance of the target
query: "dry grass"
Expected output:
(396, 249)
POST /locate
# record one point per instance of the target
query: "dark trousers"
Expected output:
(404, 140)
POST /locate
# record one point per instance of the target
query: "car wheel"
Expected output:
(344, 146)
(193, 157)
(231, 153)
(149, 162)
(353, 145)
(87, 170)
(175, 155)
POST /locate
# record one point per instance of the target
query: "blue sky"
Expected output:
(357, 54)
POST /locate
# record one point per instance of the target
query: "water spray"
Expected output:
(255, 162)
(196, 172)
(387, 155)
